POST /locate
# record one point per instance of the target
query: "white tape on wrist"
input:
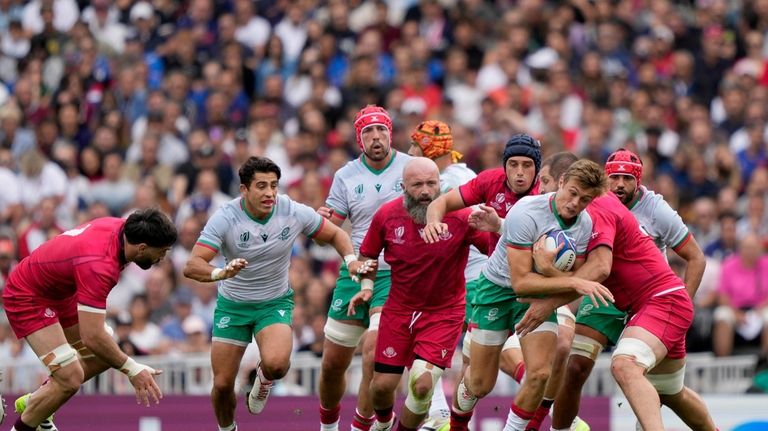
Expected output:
(366, 284)
(132, 368)
(216, 274)
(349, 259)
(501, 227)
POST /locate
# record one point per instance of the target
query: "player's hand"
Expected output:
(543, 259)
(360, 298)
(325, 212)
(2, 409)
(146, 387)
(233, 267)
(485, 218)
(537, 313)
(432, 232)
(358, 268)
(594, 290)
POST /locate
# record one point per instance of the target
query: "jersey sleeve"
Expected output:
(337, 197)
(94, 281)
(213, 234)
(519, 230)
(310, 221)
(603, 230)
(472, 192)
(674, 233)
(373, 242)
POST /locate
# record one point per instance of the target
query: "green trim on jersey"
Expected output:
(638, 197)
(317, 228)
(379, 171)
(253, 217)
(521, 245)
(684, 239)
(208, 243)
(560, 221)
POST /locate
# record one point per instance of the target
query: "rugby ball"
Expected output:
(566, 257)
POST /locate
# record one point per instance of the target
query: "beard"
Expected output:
(417, 207)
(144, 263)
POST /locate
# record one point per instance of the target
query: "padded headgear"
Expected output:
(435, 140)
(525, 145)
(624, 162)
(369, 116)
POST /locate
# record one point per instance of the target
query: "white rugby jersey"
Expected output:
(358, 191)
(265, 243)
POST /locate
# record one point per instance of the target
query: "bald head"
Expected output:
(421, 185)
(420, 166)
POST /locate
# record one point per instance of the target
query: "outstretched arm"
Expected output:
(198, 268)
(451, 201)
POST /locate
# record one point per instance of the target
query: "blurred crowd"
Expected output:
(108, 106)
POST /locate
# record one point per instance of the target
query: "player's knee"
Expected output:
(625, 369)
(276, 370)
(563, 348)
(508, 362)
(668, 384)
(537, 377)
(224, 384)
(578, 369)
(636, 352)
(480, 385)
(421, 384)
(343, 334)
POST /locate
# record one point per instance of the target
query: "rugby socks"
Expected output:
(232, 427)
(519, 373)
(329, 418)
(362, 423)
(517, 419)
(540, 414)
(384, 415)
(460, 420)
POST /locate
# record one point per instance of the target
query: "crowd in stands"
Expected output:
(108, 106)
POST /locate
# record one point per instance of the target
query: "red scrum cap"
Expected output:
(624, 162)
(369, 116)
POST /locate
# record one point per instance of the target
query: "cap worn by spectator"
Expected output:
(193, 324)
(142, 10)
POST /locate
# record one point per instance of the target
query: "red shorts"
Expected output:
(668, 317)
(27, 314)
(430, 335)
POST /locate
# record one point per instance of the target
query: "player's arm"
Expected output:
(597, 266)
(198, 267)
(696, 263)
(331, 214)
(438, 208)
(101, 344)
(332, 234)
(525, 282)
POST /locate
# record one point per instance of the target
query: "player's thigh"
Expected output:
(225, 361)
(275, 344)
(607, 321)
(538, 350)
(45, 340)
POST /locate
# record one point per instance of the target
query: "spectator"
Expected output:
(742, 297)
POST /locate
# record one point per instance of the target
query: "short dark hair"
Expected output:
(256, 164)
(150, 226)
(559, 163)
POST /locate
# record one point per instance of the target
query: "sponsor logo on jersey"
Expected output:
(444, 352)
(49, 313)
(389, 352)
(281, 313)
(445, 236)
(399, 232)
(285, 233)
(378, 187)
(398, 187)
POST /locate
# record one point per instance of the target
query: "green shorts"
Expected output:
(607, 320)
(471, 289)
(238, 322)
(346, 289)
(500, 316)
